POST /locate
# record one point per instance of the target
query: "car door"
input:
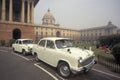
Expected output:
(16, 45)
(50, 53)
(20, 46)
(41, 50)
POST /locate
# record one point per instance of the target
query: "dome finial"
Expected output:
(109, 23)
(48, 18)
(48, 10)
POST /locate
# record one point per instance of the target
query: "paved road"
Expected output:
(15, 66)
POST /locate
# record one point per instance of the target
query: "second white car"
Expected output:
(23, 46)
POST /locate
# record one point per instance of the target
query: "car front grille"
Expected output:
(87, 61)
(30, 50)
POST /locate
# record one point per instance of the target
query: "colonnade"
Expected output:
(30, 11)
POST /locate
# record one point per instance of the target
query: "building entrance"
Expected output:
(58, 33)
(16, 34)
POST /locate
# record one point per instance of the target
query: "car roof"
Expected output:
(53, 38)
(23, 39)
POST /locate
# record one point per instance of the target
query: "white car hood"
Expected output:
(29, 45)
(78, 52)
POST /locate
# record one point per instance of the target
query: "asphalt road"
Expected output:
(15, 66)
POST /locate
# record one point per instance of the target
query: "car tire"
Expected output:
(36, 58)
(64, 70)
(24, 52)
(86, 71)
(14, 50)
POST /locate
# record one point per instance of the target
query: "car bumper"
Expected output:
(29, 51)
(84, 68)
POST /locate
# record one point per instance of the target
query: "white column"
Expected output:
(23, 11)
(10, 10)
(28, 11)
(3, 9)
(32, 12)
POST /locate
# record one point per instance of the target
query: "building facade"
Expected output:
(92, 35)
(48, 28)
(17, 19)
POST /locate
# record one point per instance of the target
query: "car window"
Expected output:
(63, 43)
(50, 44)
(20, 42)
(42, 43)
(27, 42)
(16, 42)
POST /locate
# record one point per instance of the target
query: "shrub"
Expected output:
(116, 52)
(11, 41)
(109, 40)
(2, 42)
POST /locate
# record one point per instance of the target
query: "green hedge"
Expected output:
(109, 40)
(2, 42)
(11, 41)
(9, 44)
(116, 52)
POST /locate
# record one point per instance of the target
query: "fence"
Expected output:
(109, 63)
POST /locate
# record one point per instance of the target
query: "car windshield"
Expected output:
(63, 43)
(27, 42)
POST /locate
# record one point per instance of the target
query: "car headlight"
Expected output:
(28, 48)
(93, 55)
(80, 59)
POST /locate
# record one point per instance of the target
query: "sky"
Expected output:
(80, 14)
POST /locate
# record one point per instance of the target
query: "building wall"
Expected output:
(92, 34)
(45, 31)
(17, 14)
(6, 30)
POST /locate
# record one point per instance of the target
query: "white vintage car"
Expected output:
(23, 45)
(60, 53)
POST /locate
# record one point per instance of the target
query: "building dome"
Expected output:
(48, 18)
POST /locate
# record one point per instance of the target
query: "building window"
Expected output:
(46, 34)
(46, 21)
(52, 34)
(42, 34)
(36, 27)
(63, 34)
(87, 34)
(51, 21)
(81, 35)
(36, 33)
(67, 35)
(91, 34)
(96, 34)
(51, 29)
(100, 34)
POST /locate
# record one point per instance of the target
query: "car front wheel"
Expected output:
(24, 52)
(64, 70)
(13, 49)
(36, 58)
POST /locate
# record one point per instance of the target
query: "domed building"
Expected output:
(49, 28)
(48, 18)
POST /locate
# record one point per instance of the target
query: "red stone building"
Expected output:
(17, 19)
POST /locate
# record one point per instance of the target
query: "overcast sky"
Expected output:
(80, 14)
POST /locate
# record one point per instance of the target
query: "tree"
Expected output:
(116, 53)
(109, 40)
